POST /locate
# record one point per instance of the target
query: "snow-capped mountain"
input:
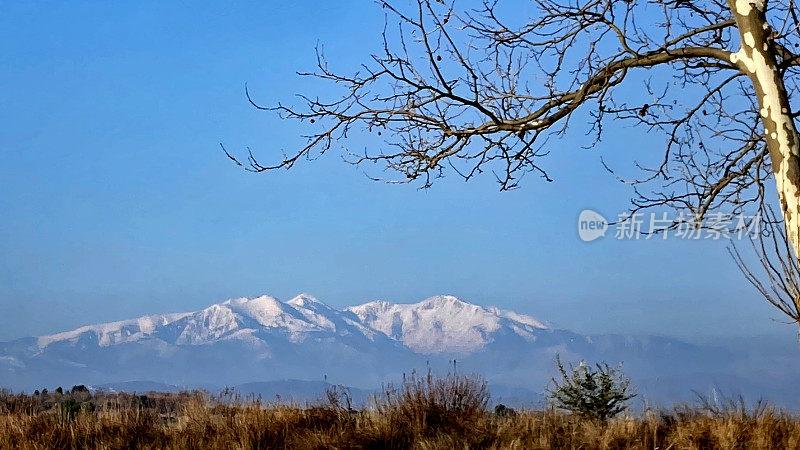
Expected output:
(245, 319)
(444, 324)
(259, 339)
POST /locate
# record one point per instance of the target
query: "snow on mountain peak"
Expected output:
(440, 324)
(304, 300)
(444, 324)
(265, 310)
(443, 301)
(118, 332)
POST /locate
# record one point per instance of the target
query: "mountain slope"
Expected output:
(236, 341)
(246, 319)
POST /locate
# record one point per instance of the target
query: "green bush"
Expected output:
(502, 410)
(68, 409)
(600, 392)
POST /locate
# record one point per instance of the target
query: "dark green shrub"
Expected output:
(502, 410)
(68, 409)
(600, 392)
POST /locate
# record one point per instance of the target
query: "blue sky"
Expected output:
(117, 202)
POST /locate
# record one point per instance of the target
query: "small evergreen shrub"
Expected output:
(502, 410)
(68, 409)
(600, 392)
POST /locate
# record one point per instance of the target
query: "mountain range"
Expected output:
(247, 342)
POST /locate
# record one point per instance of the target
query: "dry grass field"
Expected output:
(444, 413)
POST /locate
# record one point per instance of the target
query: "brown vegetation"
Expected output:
(423, 412)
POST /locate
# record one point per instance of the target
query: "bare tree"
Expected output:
(779, 283)
(484, 86)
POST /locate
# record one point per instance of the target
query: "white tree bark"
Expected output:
(757, 59)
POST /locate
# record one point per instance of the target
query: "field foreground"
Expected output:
(438, 416)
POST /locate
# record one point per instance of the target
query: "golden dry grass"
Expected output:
(423, 414)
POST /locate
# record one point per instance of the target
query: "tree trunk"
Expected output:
(757, 59)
